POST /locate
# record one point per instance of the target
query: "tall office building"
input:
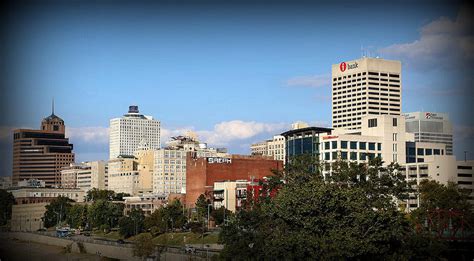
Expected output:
(128, 132)
(40, 154)
(431, 127)
(367, 86)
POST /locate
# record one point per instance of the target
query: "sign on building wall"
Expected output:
(212, 160)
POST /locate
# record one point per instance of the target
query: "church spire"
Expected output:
(52, 107)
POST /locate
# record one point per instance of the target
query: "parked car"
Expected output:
(189, 249)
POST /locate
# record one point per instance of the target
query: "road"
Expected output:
(13, 249)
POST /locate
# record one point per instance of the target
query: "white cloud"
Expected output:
(314, 81)
(443, 43)
(97, 134)
(229, 131)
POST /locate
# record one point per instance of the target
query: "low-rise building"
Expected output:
(148, 203)
(202, 173)
(29, 195)
(28, 217)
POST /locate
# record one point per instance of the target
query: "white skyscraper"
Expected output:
(367, 86)
(128, 132)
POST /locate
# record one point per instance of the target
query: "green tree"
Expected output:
(132, 224)
(99, 194)
(143, 246)
(219, 214)
(166, 218)
(57, 211)
(6, 202)
(77, 216)
(103, 212)
(201, 207)
(351, 214)
(443, 209)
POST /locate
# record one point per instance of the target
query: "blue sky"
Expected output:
(233, 73)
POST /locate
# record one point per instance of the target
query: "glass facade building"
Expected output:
(303, 141)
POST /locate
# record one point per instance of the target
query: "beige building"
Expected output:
(367, 86)
(123, 175)
(148, 203)
(85, 175)
(28, 195)
(274, 148)
(229, 194)
(28, 217)
(441, 168)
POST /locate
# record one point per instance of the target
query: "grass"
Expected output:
(183, 238)
(113, 235)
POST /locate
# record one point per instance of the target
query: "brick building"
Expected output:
(201, 173)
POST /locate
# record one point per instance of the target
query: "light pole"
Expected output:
(208, 210)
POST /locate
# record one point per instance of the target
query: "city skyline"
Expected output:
(233, 74)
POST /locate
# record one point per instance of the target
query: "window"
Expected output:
(436, 152)
(344, 155)
(343, 144)
(353, 145)
(394, 137)
(326, 145)
(371, 145)
(326, 156)
(420, 152)
(334, 155)
(428, 152)
(362, 156)
(362, 146)
(334, 144)
(394, 158)
(372, 123)
(379, 146)
(394, 122)
(395, 148)
(353, 155)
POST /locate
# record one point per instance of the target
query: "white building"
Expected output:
(229, 194)
(381, 136)
(431, 127)
(367, 86)
(170, 163)
(274, 148)
(128, 132)
(441, 168)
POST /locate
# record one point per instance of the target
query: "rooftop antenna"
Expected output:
(52, 107)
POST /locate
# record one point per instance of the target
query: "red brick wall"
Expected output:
(201, 175)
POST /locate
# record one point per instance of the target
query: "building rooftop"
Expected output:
(308, 129)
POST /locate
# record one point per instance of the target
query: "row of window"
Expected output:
(344, 155)
(365, 73)
(353, 145)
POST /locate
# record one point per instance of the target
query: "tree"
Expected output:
(443, 210)
(97, 194)
(201, 207)
(77, 216)
(350, 214)
(120, 196)
(219, 214)
(133, 224)
(103, 212)
(6, 202)
(57, 211)
(167, 217)
(144, 246)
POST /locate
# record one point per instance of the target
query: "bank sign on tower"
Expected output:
(343, 66)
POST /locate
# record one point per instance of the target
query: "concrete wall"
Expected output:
(112, 251)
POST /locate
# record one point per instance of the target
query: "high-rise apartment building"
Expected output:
(41, 154)
(431, 127)
(367, 86)
(128, 132)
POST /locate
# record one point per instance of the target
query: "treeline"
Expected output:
(356, 213)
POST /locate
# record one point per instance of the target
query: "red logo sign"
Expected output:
(342, 66)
